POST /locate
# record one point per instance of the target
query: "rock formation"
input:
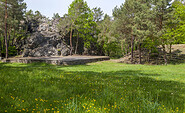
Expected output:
(45, 41)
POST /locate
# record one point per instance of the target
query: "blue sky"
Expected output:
(48, 7)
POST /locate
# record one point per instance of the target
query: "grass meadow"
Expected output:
(104, 87)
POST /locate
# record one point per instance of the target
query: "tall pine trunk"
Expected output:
(170, 51)
(128, 48)
(13, 39)
(132, 49)
(122, 48)
(164, 55)
(0, 47)
(71, 43)
(139, 53)
(126, 52)
(76, 49)
(6, 16)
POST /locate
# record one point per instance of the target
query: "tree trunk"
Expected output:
(148, 60)
(77, 43)
(139, 53)
(13, 35)
(164, 53)
(0, 47)
(71, 43)
(6, 16)
(128, 49)
(102, 48)
(132, 49)
(170, 51)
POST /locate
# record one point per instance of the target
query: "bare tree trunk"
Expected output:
(139, 53)
(122, 48)
(77, 43)
(6, 16)
(13, 35)
(128, 49)
(0, 47)
(132, 49)
(71, 43)
(102, 47)
(164, 53)
(148, 60)
(170, 51)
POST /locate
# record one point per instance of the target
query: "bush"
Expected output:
(11, 51)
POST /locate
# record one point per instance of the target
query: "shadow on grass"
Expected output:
(30, 83)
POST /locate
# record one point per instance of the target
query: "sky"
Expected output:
(49, 7)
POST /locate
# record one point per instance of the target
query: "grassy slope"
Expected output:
(97, 87)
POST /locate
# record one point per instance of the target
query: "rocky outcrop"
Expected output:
(46, 41)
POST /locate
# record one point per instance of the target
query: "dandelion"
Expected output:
(5, 111)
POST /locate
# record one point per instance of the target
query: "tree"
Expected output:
(5, 28)
(177, 23)
(12, 16)
(98, 14)
(132, 17)
(56, 16)
(80, 20)
(161, 12)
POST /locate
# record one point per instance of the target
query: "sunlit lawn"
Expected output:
(97, 87)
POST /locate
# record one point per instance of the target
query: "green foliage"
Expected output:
(15, 22)
(11, 51)
(79, 20)
(113, 49)
(98, 14)
(176, 29)
(56, 16)
(98, 87)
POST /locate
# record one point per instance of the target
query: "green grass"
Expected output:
(96, 87)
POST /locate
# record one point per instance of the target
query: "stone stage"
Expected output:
(67, 60)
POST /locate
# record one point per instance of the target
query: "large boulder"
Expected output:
(46, 41)
(45, 44)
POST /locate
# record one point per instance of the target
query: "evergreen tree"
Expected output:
(133, 18)
(80, 20)
(11, 17)
(161, 11)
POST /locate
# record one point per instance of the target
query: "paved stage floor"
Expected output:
(67, 60)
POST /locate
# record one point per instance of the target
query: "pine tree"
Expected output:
(133, 19)
(161, 12)
(80, 20)
(12, 14)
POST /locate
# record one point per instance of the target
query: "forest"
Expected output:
(136, 25)
(142, 72)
